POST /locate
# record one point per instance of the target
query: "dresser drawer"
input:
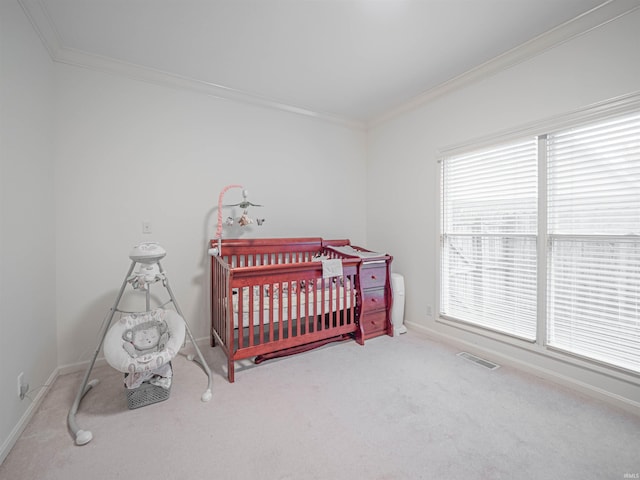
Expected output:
(374, 324)
(372, 277)
(373, 299)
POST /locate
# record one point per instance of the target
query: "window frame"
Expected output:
(590, 240)
(490, 232)
(600, 111)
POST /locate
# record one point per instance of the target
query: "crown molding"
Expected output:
(599, 111)
(569, 30)
(44, 26)
(111, 66)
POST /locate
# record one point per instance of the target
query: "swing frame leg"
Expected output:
(82, 437)
(206, 396)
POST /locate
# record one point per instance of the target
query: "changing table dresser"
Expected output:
(374, 274)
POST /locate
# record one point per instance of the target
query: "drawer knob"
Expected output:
(373, 277)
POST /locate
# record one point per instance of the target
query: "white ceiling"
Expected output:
(354, 60)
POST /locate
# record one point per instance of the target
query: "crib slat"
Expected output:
(240, 318)
(299, 310)
(348, 302)
(280, 315)
(334, 301)
(353, 299)
(250, 309)
(289, 310)
(326, 303)
(344, 301)
(304, 315)
(272, 301)
(260, 314)
(310, 307)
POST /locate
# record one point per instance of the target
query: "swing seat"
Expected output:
(144, 342)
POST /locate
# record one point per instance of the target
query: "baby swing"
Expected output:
(141, 344)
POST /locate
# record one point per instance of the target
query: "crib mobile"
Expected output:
(243, 221)
(162, 329)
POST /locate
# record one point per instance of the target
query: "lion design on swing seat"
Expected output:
(142, 345)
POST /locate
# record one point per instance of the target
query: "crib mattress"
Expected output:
(272, 303)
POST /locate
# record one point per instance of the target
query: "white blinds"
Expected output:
(594, 179)
(489, 227)
(593, 288)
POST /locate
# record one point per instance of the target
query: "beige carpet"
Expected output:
(397, 408)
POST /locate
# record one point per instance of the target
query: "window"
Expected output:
(489, 238)
(594, 241)
(586, 181)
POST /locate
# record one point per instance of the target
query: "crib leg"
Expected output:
(230, 369)
(359, 333)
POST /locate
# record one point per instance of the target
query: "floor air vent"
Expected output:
(480, 361)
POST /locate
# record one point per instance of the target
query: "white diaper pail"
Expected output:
(397, 309)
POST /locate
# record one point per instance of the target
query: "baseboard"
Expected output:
(26, 417)
(590, 390)
(80, 366)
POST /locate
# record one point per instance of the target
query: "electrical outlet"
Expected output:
(429, 310)
(146, 226)
(23, 387)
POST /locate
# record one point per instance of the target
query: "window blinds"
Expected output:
(489, 227)
(593, 208)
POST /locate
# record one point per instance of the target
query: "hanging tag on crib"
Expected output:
(331, 268)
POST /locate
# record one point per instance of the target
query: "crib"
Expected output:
(272, 298)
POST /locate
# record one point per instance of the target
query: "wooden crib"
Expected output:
(269, 297)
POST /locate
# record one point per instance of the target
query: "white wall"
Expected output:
(27, 240)
(402, 163)
(129, 151)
